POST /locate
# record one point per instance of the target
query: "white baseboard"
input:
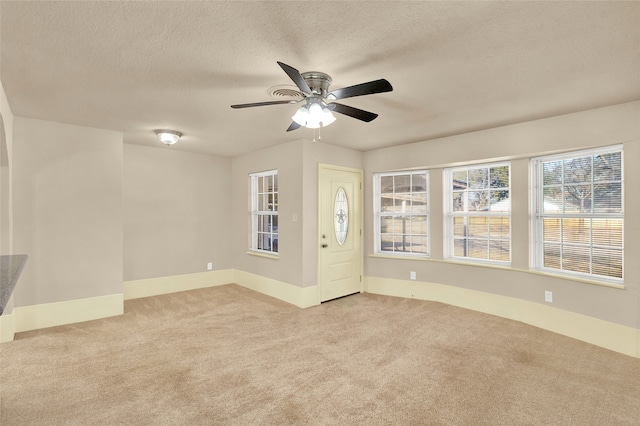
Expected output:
(609, 335)
(616, 337)
(136, 289)
(302, 297)
(7, 327)
(34, 317)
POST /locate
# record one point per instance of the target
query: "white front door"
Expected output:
(340, 231)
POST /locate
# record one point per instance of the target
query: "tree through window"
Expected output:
(578, 213)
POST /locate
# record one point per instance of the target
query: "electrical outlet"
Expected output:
(209, 266)
(412, 275)
(548, 296)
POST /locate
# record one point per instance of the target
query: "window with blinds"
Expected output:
(264, 212)
(578, 211)
(477, 202)
(401, 213)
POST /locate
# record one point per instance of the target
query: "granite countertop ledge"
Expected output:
(10, 269)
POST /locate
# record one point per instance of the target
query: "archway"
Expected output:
(5, 193)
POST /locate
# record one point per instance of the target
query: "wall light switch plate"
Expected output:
(412, 275)
(548, 296)
(209, 266)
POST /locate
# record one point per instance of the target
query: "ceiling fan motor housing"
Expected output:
(318, 82)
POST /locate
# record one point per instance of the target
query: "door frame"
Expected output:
(322, 167)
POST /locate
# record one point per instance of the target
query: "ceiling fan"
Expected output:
(318, 101)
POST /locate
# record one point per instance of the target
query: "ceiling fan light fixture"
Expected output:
(315, 110)
(301, 116)
(314, 114)
(168, 137)
(313, 124)
(327, 117)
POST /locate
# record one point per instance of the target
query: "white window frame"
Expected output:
(450, 214)
(271, 235)
(378, 214)
(537, 214)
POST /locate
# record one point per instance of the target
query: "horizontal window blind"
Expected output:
(579, 215)
(264, 211)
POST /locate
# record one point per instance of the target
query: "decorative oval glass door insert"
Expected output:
(341, 217)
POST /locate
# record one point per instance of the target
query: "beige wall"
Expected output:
(176, 212)
(67, 200)
(593, 128)
(287, 159)
(5, 188)
(297, 165)
(6, 203)
(7, 116)
(6, 143)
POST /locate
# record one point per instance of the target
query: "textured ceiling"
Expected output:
(455, 66)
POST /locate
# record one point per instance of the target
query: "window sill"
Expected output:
(399, 256)
(507, 268)
(261, 254)
(480, 262)
(578, 279)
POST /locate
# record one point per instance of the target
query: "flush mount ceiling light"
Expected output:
(168, 137)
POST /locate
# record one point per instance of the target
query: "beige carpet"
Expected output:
(227, 355)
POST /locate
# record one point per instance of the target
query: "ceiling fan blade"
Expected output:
(255, 104)
(369, 88)
(360, 114)
(293, 126)
(295, 75)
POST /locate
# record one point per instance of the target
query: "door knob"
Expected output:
(325, 245)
